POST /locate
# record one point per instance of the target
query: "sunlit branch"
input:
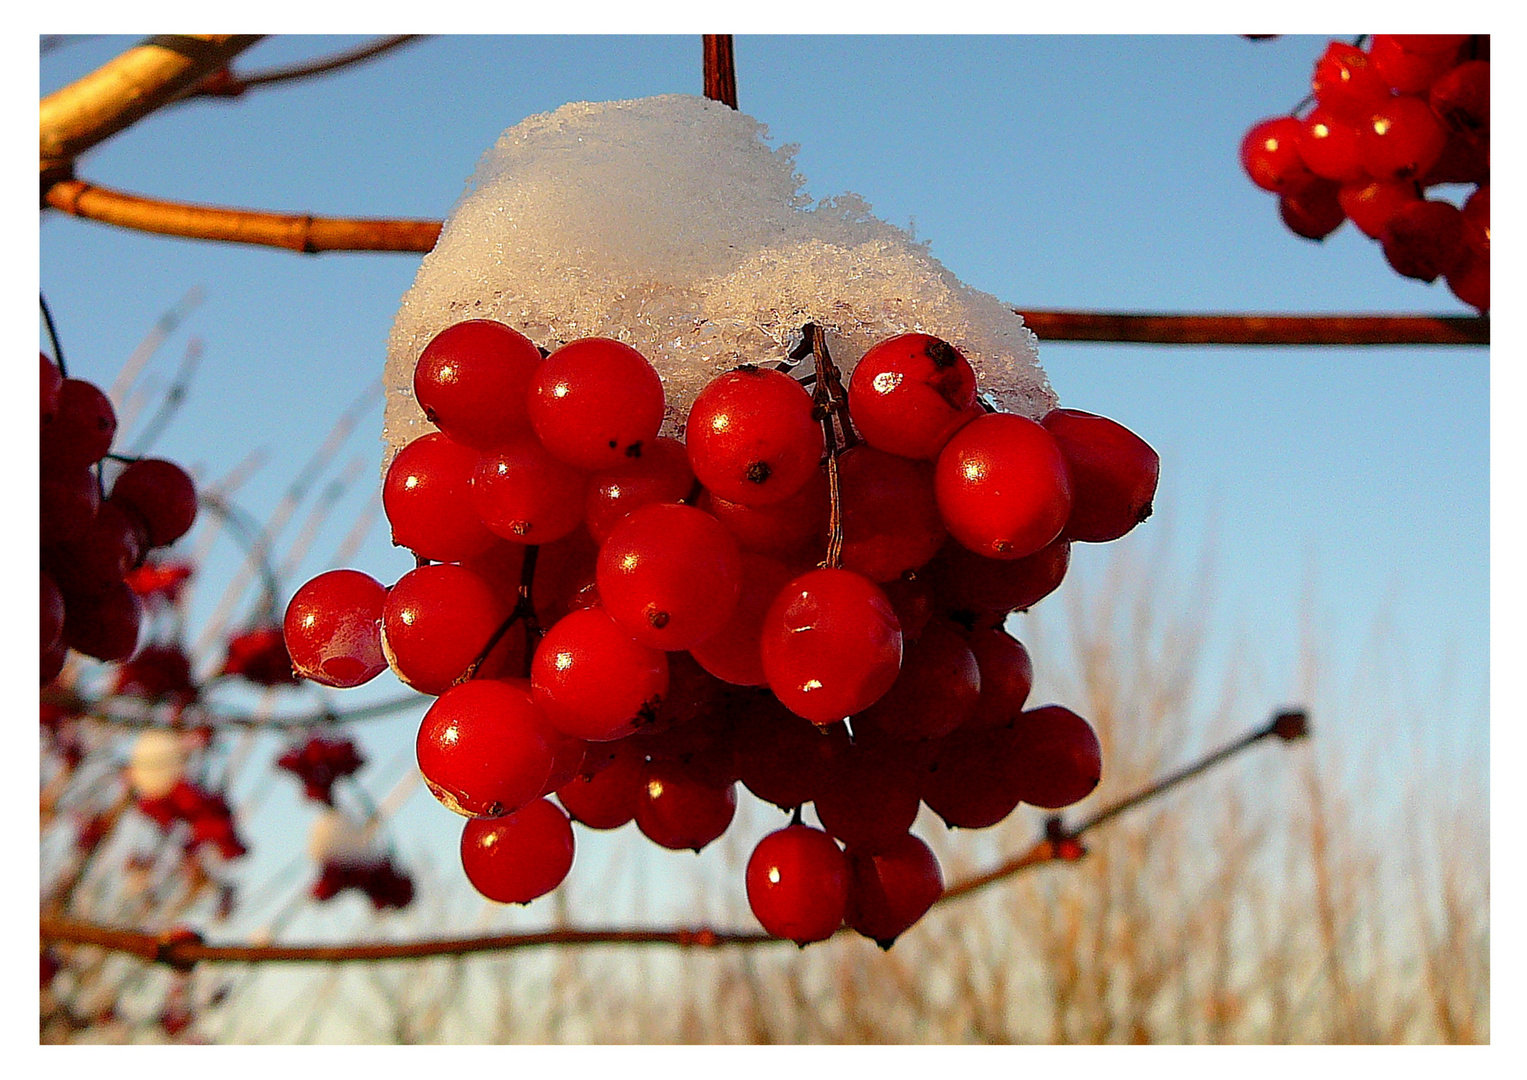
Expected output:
(1175, 329)
(232, 84)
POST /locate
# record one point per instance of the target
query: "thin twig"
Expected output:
(195, 716)
(182, 951)
(1247, 329)
(233, 84)
(58, 350)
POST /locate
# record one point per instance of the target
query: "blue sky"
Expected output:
(1079, 173)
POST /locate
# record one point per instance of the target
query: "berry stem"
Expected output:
(829, 400)
(524, 611)
(58, 350)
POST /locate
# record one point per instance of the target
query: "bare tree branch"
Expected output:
(1172, 329)
(126, 89)
(297, 232)
(232, 84)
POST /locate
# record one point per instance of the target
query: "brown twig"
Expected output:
(232, 84)
(124, 90)
(296, 232)
(1174, 329)
(184, 949)
(196, 717)
(720, 69)
(830, 404)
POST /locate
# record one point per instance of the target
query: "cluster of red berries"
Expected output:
(259, 655)
(92, 541)
(319, 762)
(696, 637)
(207, 814)
(383, 883)
(1389, 124)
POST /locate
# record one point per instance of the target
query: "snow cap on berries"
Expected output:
(669, 224)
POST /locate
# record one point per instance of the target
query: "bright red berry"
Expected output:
(891, 522)
(595, 680)
(1370, 204)
(1113, 474)
(797, 881)
(1002, 486)
(733, 653)
(333, 629)
(435, 622)
(670, 575)
(596, 404)
(910, 393)
(428, 499)
(1346, 82)
(472, 379)
(515, 859)
(1330, 147)
(752, 436)
(483, 750)
(792, 530)
(831, 645)
(1270, 155)
(661, 475)
(1401, 139)
(522, 493)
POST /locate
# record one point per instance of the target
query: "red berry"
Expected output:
(472, 379)
(670, 574)
(162, 495)
(676, 809)
(891, 522)
(831, 645)
(483, 750)
(1476, 220)
(514, 859)
(889, 892)
(607, 799)
(81, 432)
(1057, 758)
(428, 499)
(1007, 676)
(969, 782)
(435, 622)
(1402, 139)
(1370, 204)
(1313, 213)
(733, 653)
(1346, 82)
(157, 673)
(1425, 239)
(333, 629)
(1470, 280)
(1330, 147)
(596, 404)
(752, 436)
(1113, 474)
(1002, 486)
(1270, 155)
(105, 624)
(51, 383)
(595, 680)
(260, 655)
(69, 498)
(1405, 71)
(1425, 44)
(660, 475)
(936, 692)
(870, 798)
(522, 493)
(976, 591)
(909, 394)
(797, 881)
(782, 758)
(792, 530)
(1461, 98)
